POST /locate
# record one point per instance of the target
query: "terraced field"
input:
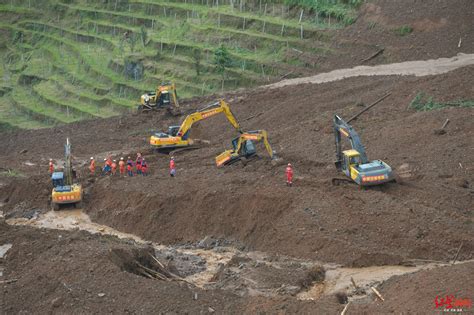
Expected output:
(67, 60)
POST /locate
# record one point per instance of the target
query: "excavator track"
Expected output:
(336, 181)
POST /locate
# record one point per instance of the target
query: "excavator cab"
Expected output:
(58, 179)
(173, 130)
(243, 147)
(247, 148)
(350, 159)
(164, 98)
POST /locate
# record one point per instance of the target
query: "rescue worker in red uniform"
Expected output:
(92, 166)
(289, 175)
(122, 167)
(51, 167)
(114, 167)
(138, 163)
(144, 167)
(172, 167)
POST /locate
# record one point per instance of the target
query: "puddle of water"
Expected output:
(339, 279)
(4, 249)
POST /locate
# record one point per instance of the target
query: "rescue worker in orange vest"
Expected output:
(51, 167)
(114, 167)
(122, 167)
(138, 163)
(289, 175)
(107, 167)
(172, 167)
(144, 167)
(92, 166)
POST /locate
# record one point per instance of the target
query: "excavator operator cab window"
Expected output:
(58, 179)
(165, 97)
(355, 160)
(249, 148)
(173, 130)
(235, 142)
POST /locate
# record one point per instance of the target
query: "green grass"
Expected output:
(404, 30)
(11, 173)
(422, 102)
(70, 56)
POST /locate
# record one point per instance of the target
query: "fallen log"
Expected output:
(373, 56)
(457, 253)
(378, 293)
(8, 281)
(369, 107)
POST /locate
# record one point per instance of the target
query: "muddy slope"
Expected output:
(426, 217)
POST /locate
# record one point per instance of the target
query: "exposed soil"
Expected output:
(241, 239)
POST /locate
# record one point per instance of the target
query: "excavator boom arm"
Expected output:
(68, 166)
(341, 127)
(214, 109)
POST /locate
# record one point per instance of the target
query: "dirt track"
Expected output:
(416, 68)
(274, 238)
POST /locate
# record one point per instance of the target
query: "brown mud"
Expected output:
(243, 241)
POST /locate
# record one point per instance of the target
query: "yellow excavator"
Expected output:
(178, 136)
(165, 96)
(65, 191)
(244, 148)
(354, 162)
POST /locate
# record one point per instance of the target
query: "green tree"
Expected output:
(222, 60)
(143, 35)
(197, 61)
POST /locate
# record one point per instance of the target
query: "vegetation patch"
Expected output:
(422, 102)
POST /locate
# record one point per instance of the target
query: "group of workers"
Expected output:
(138, 166)
(141, 167)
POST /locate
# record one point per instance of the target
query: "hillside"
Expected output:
(82, 59)
(237, 239)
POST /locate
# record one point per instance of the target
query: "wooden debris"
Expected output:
(370, 106)
(459, 43)
(457, 253)
(284, 76)
(253, 116)
(377, 293)
(8, 281)
(373, 56)
(445, 124)
(354, 284)
(345, 309)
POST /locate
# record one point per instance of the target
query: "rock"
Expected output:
(206, 243)
(211, 310)
(57, 302)
(289, 289)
